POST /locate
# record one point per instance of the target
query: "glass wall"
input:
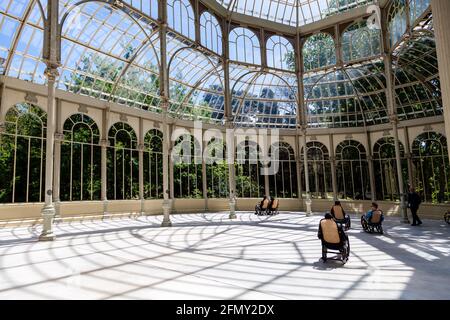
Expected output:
(431, 167)
(80, 160)
(352, 172)
(22, 154)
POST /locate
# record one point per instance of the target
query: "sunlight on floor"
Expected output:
(207, 256)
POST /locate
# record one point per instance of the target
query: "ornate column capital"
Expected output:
(303, 128)
(51, 72)
(369, 157)
(393, 119)
(408, 155)
(141, 147)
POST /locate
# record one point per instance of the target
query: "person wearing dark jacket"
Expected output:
(413, 204)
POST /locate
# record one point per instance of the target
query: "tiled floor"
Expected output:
(207, 256)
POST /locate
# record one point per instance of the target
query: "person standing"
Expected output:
(414, 201)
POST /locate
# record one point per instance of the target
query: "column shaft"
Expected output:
(57, 161)
(333, 168)
(399, 173)
(204, 177)
(48, 211)
(104, 159)
(411, 181)
(298, 167)
(305, 168)
(141, 164)
(371, 168)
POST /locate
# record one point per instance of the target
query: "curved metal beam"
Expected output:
(257, 74)
(19, 33)
(144, 45)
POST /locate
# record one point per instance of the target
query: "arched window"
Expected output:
(180, 17)
(210, 32)
(397, 21)
(431, 167)
(283, 183)
(216, 169)
(244, 46)
(358, 42)
(153, 165)
(352, 172)
(280, 53)
(80, 160)
(417, 8)
(318, 51)
(249, 180)
(187, 168)
(123, 163)
(319, 170)
(22, 154)
(385, 168)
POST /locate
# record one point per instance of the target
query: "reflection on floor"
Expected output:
(207, 256)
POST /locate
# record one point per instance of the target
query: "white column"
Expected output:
(371, 176)
(305, 164)
(298, 167)
(104, 144)
(408, 155)
(59, 137)
(394, 121)
(230, 140)
(204, 176)
(141, 164)
(441, 23)
(167, 170)
(333, 168)
(164, 92)
(48, 211)
(371, 168)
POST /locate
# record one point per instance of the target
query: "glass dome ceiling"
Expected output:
(291, 12)
(114, 54)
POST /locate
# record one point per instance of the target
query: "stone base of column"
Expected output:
(403, 210)
(57, 209)
(142, 213)
(167, 208)
(308, 203)
(232, 204)
(48, 214)
(404, 214)
(105, 207)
